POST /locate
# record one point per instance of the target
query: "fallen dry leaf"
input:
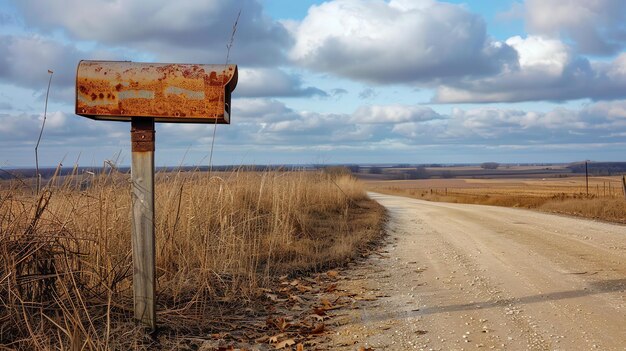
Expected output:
(296, 298)
(320, 311)
(299, 347)
(280, 323)
(263, 339)
(331, 288)
(317, 317)
(303, 288)
(284, 343)
(320, 328)
(326, 303)
(332, 274)
(274, 339)
(311, 280)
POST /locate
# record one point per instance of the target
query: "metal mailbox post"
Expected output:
(145, 93)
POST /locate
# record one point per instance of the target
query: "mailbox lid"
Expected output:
(121, 90)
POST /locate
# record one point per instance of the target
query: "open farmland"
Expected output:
(568, 195)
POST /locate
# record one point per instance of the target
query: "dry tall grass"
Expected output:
(65, 257)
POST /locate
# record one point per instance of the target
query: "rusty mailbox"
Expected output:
(175, 93)
(145, 93)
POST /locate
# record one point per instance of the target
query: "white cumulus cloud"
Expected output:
(397, 41)
(596, 26)
(546, 55)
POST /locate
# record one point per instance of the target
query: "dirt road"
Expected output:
(466, 277)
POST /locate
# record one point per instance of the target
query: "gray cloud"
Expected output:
(393, 114)
(25, 61)
(596, 27)
(408, 125)
(338, 92)
(593, 123)
(6, 19)
(397, 42)
(65, 138)
(547, 70)
(264, 82)
(185, 30)
(367, 93)
(61, 130)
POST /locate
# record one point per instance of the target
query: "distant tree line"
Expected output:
(418, 173)
(375, 170)
(489, 165)
(599, 168)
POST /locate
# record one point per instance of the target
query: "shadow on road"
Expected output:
(599, 287)
(595, 288)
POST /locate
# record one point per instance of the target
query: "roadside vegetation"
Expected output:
(223, 240)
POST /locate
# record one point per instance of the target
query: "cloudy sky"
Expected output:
(340, 81)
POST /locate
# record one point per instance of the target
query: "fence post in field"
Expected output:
(586, 178)
(624, 185)
(145, 93)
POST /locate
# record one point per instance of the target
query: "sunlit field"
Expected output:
(602, 199)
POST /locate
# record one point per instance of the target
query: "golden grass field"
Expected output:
(66, 263)
(604, 201)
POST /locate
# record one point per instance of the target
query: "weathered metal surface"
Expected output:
(142, 134)
(122, 90)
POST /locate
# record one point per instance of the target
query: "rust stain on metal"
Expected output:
(142, 134)
(142, 140)
(114, 90)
